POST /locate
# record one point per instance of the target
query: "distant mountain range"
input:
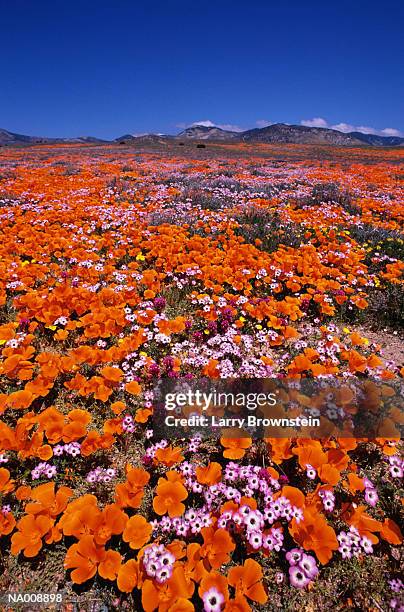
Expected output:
(272, 134)
(295, 134)
(201, 132)
(9, 138)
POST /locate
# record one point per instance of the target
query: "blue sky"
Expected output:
(109, 67)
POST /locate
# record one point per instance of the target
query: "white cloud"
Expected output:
(205, 123)
(343, 127)
(261, 123)
(348, 127)
(391, 132)
(315, 122)
(365, 129)
(208, 123)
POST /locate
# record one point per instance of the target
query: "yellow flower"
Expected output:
(140, 257)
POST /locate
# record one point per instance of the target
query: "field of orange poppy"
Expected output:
(122, 266)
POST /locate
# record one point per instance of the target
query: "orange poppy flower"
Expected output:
(354, 483)
(76, 427)
(247, 581)
(169, 497)
(6, 484)
(238, 604)
(112, 374)
(391, 532)
(23, 492)
(133, 388)
(209, 475)
(28, 538)
(235, 447)
(46, 501)
(20, 399)
(309, 452)
(118, 407)
(217, 546)
(366, 525)
(7, 523)
(128, 575)
(314, 533)
(137, 531)
(194, 568)
(81, 517)
(293, 494)
(84, 558)
(111, 521)
(130, 493)
(142, 415)
(171, 327)
(210, 369)
(182, 605)
(91, 443)
(162, 597)
(109, 566)
(169, 456)
(280, 449)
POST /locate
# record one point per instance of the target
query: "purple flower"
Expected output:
(297, 577)
(343, 538)
(311, 472)
(154, 369)
(366, 545)
(158, 562)
(212, 600)
(147, 461)
(396, 585)
(159, 303)
(328, 504)
(371, 497)
(297, 514)
(253, 520)
(167, 558)
(255, 539)
(345, 550)
(182, 529)
(396, 471)
(308, 565)
(294, 556)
